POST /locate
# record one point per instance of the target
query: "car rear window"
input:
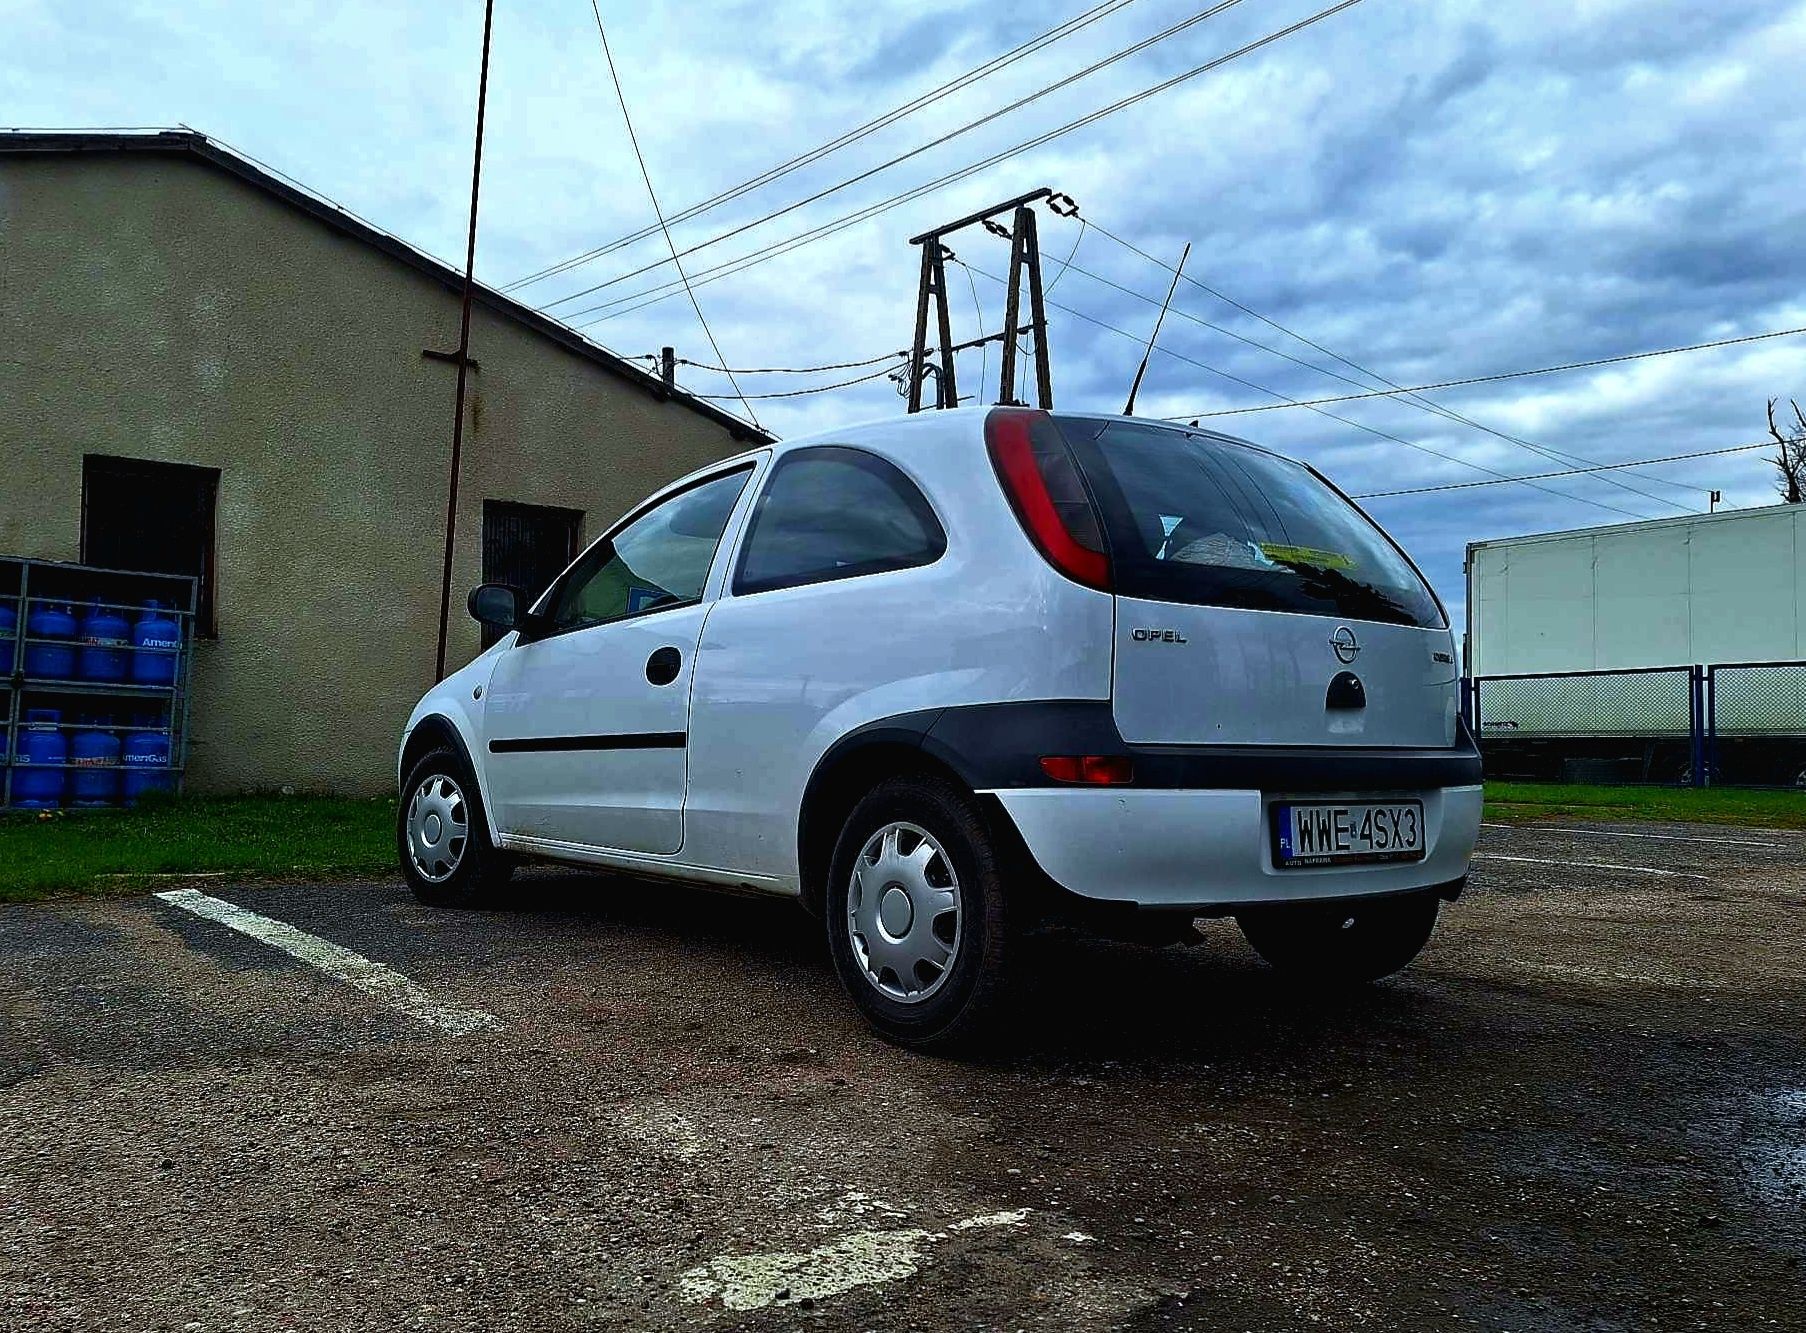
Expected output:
(834, 512)
(1200, 518)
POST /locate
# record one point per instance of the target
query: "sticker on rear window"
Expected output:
(1307, 555)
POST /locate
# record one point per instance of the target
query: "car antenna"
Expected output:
(1135, 388)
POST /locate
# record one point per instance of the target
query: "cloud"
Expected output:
(1431, 190)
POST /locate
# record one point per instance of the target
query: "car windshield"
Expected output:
(1208, 520)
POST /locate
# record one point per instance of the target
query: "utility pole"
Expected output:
(470, 262)
(1025, 267)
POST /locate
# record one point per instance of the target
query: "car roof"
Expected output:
(894, 434)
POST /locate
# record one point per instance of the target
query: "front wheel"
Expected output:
(442, 837)
(915, 913)
(1342, 943)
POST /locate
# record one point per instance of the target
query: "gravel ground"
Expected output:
(1583, 1109)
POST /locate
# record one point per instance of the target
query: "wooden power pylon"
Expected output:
(1025, 264)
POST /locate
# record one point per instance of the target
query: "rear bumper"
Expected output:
(1209, 849)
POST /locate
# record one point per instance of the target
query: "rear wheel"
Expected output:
(915, 913)
(1342, 943)
(442, 836)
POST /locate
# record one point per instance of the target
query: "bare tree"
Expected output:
(1790, 460)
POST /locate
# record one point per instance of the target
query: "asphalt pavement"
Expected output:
(613, 1105)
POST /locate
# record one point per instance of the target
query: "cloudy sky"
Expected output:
(1432, 189)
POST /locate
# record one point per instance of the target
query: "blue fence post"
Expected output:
(1696, 722)
(1711, 697)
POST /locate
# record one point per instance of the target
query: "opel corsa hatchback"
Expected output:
(945, 677)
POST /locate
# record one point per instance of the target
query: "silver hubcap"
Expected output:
(437, 828)
(903, 912)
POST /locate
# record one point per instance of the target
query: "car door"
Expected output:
(835, 612)
(586, 716)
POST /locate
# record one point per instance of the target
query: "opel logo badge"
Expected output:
(1345, 645)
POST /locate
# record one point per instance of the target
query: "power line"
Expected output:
(971, 76)
(728, 268)
(1083, 227)
(652, 194)
(1572, 472)
(917, 151)
(1414, 400)
(798, 393)
(1346, 421)
(978, 312)
(779, 370)
(1500, 375)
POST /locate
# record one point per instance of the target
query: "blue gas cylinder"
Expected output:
(9, 629)
(104, 635)
(94, 768)
(146, 762)
(52, 655)
(156, 646)
(38, 774)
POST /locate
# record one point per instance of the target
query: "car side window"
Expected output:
(832, 512)
(661, 559)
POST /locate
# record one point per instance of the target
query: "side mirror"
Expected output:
(497, 605)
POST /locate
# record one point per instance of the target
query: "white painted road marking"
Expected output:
(1611, 833)
(753, 1281)
(353, 969)
(1586, 865)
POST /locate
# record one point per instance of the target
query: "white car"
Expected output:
(943, 677)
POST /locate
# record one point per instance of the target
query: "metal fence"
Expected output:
(1733, 723)
(1755, 723)
(1656, 701)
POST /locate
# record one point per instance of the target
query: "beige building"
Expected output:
(208, 370)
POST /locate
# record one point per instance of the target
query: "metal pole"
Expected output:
(470, 262)
(1711, 722)
(1696, 723)
(667, 368)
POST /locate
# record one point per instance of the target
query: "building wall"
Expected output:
(155, 307)
(1726, 587)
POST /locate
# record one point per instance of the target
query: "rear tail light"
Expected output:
(1099, 770)
(1045, 489)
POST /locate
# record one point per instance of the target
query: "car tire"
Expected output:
(1342, 944)
(442, 834)
(941, 874)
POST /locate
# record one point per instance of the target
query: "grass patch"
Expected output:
(1521, 802)
(119, 851)
(101, 851)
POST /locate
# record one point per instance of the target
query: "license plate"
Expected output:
(1335, 833)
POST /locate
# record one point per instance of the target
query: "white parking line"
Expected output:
(1612, 833)
(1586, 865)
(753, 1281)
(353, 969)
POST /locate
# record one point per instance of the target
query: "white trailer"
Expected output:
(1724, 591)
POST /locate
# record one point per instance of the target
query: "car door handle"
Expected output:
(662, 667)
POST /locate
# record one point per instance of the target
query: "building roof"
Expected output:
(195, 146)
(1643, 524)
